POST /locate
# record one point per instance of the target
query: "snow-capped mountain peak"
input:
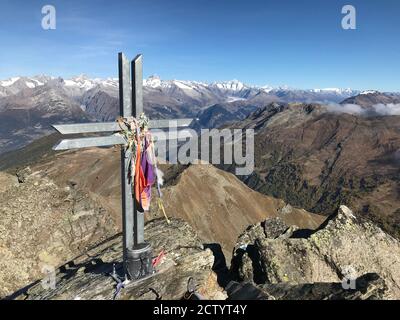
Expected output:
(81, 81)
(267, 88)
(9, 82)
(85, 83)
(153, 81)
(218, 90)
(184, 85)
(15, 84)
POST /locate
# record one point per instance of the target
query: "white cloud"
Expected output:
(376, 110)
(345, 108)
(387, 109)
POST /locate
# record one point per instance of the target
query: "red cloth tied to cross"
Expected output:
(144, 173)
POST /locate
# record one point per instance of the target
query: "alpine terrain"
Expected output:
(29, 105)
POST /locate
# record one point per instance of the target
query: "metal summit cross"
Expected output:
(137, 254)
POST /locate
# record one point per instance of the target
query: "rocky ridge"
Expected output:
(293, 265)
(281, 259)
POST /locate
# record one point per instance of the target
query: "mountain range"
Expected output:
(29, 105)
(231, 90)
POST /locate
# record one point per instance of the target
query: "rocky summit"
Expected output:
(344, 259)
(184, 258)
(288, 262)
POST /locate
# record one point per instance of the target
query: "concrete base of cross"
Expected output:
(139, 261)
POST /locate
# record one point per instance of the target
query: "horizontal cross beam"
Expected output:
(115, 139)
(89, 142)
(114, 126)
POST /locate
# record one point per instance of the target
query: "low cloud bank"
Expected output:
(387, 109)
(380, 109)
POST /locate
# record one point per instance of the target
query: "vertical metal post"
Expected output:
(125, 102)
(137, 109)
(137, 253)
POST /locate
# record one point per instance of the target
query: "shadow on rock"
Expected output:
(219, 267)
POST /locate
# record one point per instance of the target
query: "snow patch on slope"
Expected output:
(9, 82)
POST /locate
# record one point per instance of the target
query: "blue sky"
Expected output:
(296, 43)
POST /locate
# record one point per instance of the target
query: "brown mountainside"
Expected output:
(319, 160)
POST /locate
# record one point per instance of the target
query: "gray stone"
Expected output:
(87, 277)
(43, 225)
(367, 287)
(274, 227)
(344, 248)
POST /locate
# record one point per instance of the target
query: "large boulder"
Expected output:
(343, 249)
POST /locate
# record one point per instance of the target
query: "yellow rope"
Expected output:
(161, 206)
